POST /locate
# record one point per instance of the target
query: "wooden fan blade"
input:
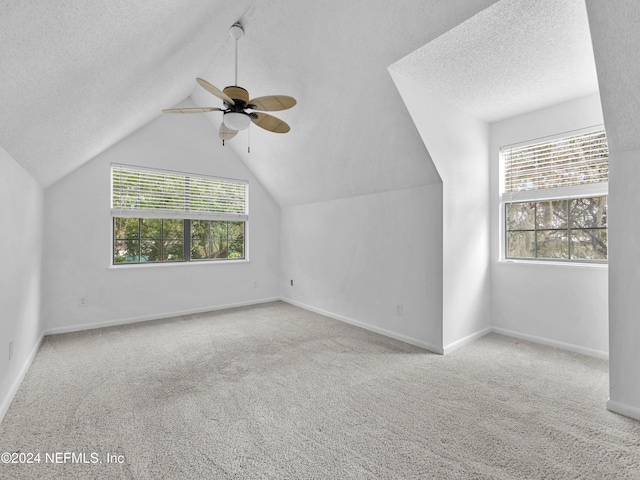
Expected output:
(192, 110)
(271, 123)
(215, 91)
(272, 103)
(226, 133)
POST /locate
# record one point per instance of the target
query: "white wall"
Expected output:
(615, 36)
(357, 258)
(561, 305)
(78, 241)
(624, 286)
(458, 143)
(20, 274)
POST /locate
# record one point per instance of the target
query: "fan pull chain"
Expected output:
(249, 139)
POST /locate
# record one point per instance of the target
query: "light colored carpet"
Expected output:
(276, 392)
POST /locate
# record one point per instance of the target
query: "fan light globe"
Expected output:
(236, 120)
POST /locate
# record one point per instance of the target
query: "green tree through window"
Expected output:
(154, 240)
(570, 229)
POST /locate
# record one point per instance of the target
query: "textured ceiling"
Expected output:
(616, 40)
(78, 76)
(514, 57)
(350, 132)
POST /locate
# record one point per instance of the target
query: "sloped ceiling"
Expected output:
(513, 57)
(350, 132)
(78, 76)
(616, 38)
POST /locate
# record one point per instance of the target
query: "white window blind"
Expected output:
(564, 162)
(161, 194)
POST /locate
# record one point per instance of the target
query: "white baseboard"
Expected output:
(4, 407)
(623, 409)
(552, 343)
(452, 347)
(155, 316)
(381, 331)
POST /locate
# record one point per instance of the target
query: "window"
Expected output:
(214, 239)
(554, 195)
(139, 240)
(165, 217)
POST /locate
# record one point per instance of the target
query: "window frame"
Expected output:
(568, 193)
(536, 228)
(186, 215)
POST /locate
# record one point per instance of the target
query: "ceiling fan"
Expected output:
(236, 102)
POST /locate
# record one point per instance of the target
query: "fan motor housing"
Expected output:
(238, 94)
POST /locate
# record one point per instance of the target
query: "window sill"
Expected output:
(554, 263)
(127, 266)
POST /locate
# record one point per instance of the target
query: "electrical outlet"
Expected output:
(292, 282)
(255, 284)
(399, 309)
(83, 301)
(10, 349)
